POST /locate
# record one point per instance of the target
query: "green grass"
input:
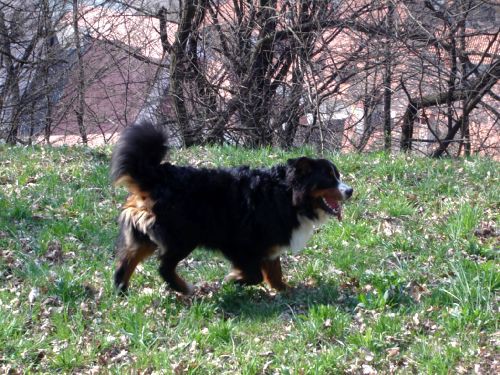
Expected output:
(406, 283)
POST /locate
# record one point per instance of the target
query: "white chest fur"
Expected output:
(302, 234)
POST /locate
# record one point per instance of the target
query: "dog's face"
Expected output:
(316, 183)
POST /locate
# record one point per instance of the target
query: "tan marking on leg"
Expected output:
(250, 275)
(273, 275)
(234, 275)
(131, 257)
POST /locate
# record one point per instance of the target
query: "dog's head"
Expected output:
(316, 186)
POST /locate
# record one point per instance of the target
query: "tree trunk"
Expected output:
(408, 124)
(388, 80)
(178, 68)
(80, 109)
(10, 95)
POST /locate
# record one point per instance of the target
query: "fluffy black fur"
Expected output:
(245, 213)
(138, 153)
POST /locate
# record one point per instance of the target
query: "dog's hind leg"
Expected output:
(273, 276)
(169, 261)
(130, 254)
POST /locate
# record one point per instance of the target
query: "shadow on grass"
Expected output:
(256, 303)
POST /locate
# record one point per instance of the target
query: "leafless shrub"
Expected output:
(346, 75)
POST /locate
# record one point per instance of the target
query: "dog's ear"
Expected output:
(297, 196)
(301, 166)
(296, 169)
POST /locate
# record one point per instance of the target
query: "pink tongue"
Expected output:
(336, 206)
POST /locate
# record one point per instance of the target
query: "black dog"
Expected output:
(251, 215)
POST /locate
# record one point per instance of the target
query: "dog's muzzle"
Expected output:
(345, 190)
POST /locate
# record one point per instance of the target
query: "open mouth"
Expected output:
(332, 207)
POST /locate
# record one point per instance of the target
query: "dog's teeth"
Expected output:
(335, 210)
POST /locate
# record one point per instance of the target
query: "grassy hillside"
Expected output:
(406, 283)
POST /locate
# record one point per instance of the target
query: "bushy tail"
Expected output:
(136, 157)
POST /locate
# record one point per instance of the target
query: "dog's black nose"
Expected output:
(349, 192)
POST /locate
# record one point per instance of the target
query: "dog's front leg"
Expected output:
(249, 274)
(273, 275)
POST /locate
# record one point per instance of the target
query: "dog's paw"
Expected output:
(233, 276)
(121, 289)
(190, 289)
